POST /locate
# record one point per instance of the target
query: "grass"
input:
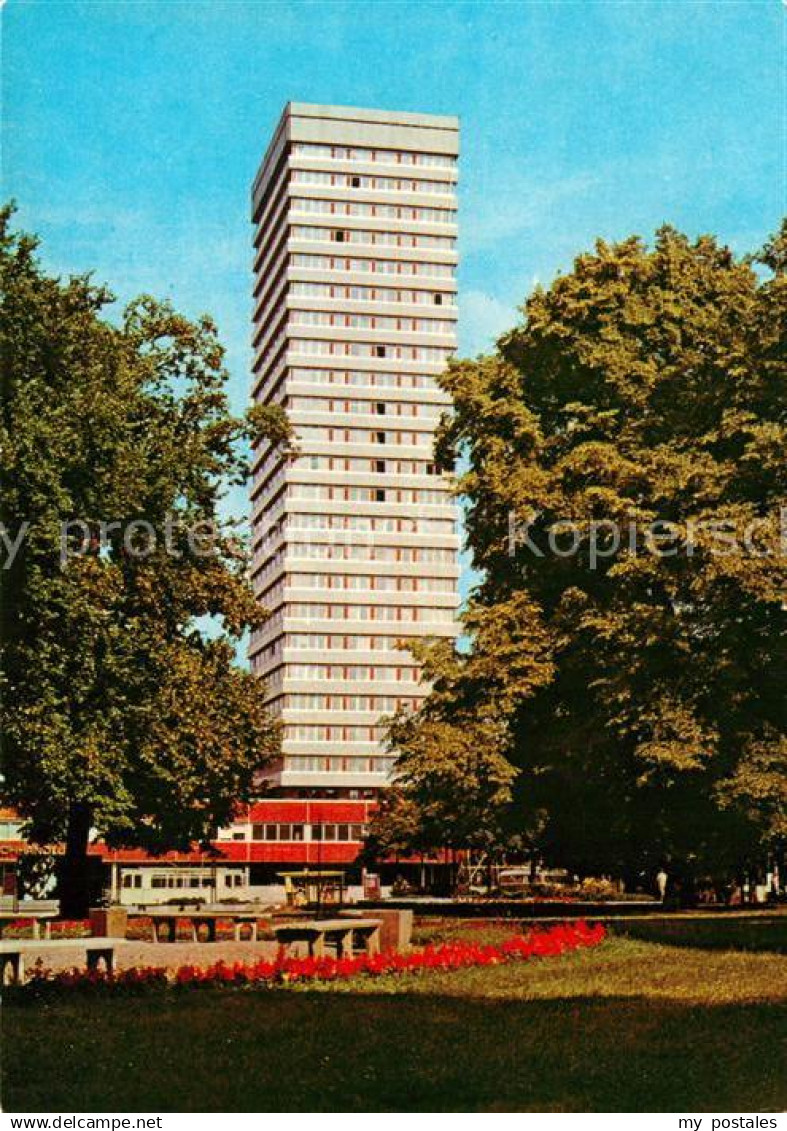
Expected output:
(635, 1025)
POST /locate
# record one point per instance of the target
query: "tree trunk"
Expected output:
(74, 886)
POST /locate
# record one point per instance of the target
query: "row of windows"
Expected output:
(265, 532)
(342, 464)
(377, 613)
(324, 551)
(352, 673)
(372, 266)
(361, 464)
(370, 524)
(372, 582)
(321, 551)
(359, 293)
(178, 880)
(364, 208)
(416, 409)
(372, 156)
(332, 435)
(375, 183)
(322, 348)
(338, 764)
(352, 583)
(337, 642)
(382, 704)
(348, 378)
(410, 495)
(372, 238)
(303, 732)
(372, 322)
(298, 832)
(363, 378)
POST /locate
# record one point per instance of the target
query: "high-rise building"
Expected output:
(354, 533)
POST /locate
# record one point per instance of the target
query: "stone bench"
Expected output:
(14, 955)
(343, 934)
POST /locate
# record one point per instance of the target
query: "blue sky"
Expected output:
(132, 131)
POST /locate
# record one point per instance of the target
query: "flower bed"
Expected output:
(539, 943)
(58, 928)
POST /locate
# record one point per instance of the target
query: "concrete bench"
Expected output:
(343, 934)
(15, 956)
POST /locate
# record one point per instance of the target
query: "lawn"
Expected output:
(633, 1025)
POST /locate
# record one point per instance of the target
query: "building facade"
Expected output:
(354, 533)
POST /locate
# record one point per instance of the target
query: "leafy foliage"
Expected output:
(119, 711)
(643, 392)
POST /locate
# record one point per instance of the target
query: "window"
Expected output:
(339, 236)
(238, 880)
(238, 836)
(438, 300)
(379, 495)
(355, 182)
(380, 437)
(379, 465)
(380, 408)
(228, 881)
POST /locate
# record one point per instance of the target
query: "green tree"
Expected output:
(121, 713)
(627, 479)
(455, 780)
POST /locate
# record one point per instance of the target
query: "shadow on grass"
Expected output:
(311, 1051)
(761, 933)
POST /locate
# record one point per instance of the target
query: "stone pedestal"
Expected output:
(108, 922)
(396, 929)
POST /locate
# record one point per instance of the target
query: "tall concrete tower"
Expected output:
(354, 535)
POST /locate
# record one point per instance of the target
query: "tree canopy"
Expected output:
(120, 712)
(626, 487)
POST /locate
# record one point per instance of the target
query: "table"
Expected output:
(197, 919)
(341, 933)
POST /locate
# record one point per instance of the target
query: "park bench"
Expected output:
(14, 955)
(345, 935)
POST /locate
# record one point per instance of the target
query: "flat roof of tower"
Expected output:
(356, 126)
(363, 114)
